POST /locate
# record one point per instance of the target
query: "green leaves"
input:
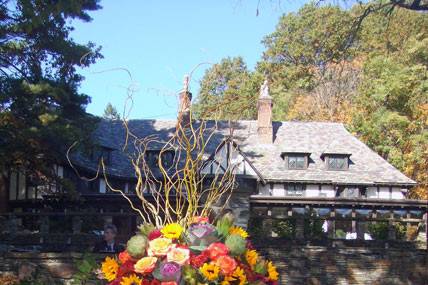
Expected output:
(41, 111)
(228, 91)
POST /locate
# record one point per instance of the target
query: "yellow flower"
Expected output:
(109, 268)
(145, 265)
(210, 271)
(272, 273)
(238, 231)
(251, 256)
(131, 280)
(160, 246)
(237, 275)
(178, 255)
(172, 231)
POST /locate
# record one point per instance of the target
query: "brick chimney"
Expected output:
(264, 115)
(185, 102)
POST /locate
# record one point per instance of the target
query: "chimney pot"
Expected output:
(264, 115)
(185, 102)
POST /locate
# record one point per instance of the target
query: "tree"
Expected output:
(41, 111)
(332, 97)
(392, 114)
(299, 51)
(111, 113)
(228, 91)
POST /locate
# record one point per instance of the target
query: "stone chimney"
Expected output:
(264, 115)
(185, 98)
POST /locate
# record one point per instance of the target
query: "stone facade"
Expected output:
(327, 265)
(297, 264)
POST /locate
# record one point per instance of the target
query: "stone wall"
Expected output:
(297, 264)
(48, 268)
(313, 265)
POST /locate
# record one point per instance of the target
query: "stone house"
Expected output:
(297, 172)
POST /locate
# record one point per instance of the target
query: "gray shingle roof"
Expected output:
(316, 138)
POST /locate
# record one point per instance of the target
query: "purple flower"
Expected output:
(170, 271)
(201, 230)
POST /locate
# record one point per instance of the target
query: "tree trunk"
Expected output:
(4, 194)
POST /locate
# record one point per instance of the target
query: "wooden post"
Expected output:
(300, 227)
(391, 228)
(267, 223)
(331, 230)
(4, 193)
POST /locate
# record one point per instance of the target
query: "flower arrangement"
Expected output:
(202, 253)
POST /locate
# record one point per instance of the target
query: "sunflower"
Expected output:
(109, 268)
(237, 275)
(238, 231)
(131, 280)
(210, 271)
(251, 256)
(272, 273)
(172, 231)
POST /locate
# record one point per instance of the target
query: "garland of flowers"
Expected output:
(201, 254)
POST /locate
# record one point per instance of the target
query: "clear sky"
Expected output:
(159, 42)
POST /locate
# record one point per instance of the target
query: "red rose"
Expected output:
(198, 260)
(217, 249)
(125, 268)
(145, 282)
(155, 282)
(154, 234)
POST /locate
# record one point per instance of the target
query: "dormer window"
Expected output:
(337, 162)
(152, 158)
(296, 160)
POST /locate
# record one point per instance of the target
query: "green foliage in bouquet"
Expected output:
(236, 244)
(146, 228)
(136, 246)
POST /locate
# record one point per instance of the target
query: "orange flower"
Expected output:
(226, 263)
(217, 249)
(200, 220)
(124, 257)
(145, 265)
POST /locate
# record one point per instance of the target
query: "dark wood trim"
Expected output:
(261, 199)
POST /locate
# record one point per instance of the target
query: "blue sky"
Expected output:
(159, 42)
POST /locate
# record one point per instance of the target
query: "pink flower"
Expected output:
(217, 249)
(154, 234)
(200, 220)
(178, 255)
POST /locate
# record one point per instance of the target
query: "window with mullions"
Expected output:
(152, 158)
(337, 163)
(296, 162)
(295, 189)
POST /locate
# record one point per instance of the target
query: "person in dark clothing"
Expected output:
(109, 244)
